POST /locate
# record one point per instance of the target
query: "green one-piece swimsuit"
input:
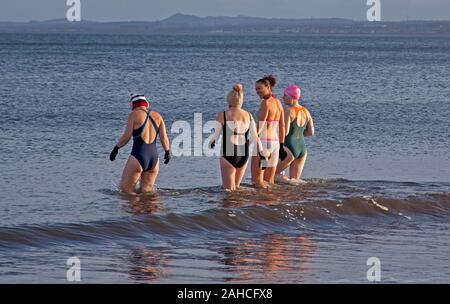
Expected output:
(295, 140)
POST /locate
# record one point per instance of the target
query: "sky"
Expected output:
(151, 10)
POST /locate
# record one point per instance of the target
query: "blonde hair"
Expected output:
(236, 96)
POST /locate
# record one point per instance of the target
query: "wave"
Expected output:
(245, 211)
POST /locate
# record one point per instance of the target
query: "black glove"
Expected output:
(212, 144)
(166, 157)
(282, 153)
(112, 156)
(261, 157)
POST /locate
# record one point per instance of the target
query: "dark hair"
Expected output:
(268, 80)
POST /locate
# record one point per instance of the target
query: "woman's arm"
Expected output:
(254, 135)
(282, 131)
(287, 121)
(163, 135)
(217, 129)
(128, 133)
(263, 113)
(309, 131)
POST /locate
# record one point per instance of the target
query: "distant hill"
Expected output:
(240, 21)
(189, 24)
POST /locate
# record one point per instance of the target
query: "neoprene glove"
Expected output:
(112, 156)
(167, 157)
(282, 153)
(261, 158)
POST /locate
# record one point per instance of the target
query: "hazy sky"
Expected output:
(117, 10)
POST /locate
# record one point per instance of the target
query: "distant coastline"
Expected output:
(188, 24)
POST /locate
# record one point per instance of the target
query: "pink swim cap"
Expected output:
(293, 91)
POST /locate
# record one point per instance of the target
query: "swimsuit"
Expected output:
(271, 145)
(146, 154)
(236, 155)
(276, 123)
(295, 140)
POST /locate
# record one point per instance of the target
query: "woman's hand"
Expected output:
(264, 153)
(167, 157)
(212, 144)
(112, 156)
(282, 153)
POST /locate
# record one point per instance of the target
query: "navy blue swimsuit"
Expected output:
(146, 154)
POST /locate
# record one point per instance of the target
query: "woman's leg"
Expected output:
(130, 176)
(149, 179)
(284, 164)
(297, 166)
(228, 174)
(240, 175)
(269, 173)
(257, 173)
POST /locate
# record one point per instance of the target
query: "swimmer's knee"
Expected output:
(148, 189)
(290, 156)
(127, 191)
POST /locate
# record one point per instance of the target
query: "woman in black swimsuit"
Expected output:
(236, 126)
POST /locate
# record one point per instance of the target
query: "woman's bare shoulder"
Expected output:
(156, 115)
(249, 114)
(132, 116)
(219, 117)
(307, 112)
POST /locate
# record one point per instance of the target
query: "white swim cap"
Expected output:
(136, 97)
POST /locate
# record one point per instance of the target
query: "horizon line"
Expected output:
(225, 16)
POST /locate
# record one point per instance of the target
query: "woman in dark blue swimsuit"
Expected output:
(143, 164)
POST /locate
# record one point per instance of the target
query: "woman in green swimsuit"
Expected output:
(299, 124)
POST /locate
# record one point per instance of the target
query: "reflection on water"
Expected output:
(272, 258)
(141, 204)
(147, 264)
(323, 233)
(269, 258)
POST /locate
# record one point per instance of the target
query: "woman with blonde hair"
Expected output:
(236, 127)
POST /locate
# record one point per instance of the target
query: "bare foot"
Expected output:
(282, 178)
(297, 181)
(260, 185)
